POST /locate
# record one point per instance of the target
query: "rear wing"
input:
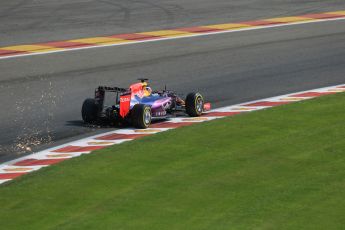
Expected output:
(101, 90)
(123, 97)
(104, 98)
(111, 89)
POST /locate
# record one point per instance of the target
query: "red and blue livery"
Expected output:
(139, 105)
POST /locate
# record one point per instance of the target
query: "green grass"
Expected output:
(282, 168)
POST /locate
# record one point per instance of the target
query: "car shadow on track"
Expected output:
(103, 125)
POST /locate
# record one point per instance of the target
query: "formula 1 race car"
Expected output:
(138, 105)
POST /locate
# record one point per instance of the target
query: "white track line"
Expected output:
(49, 154)
(180, 37)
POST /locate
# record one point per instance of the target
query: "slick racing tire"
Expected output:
(141, 116)
(194, 104)
(89, 110)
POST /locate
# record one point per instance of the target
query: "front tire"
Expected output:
(194, 104)
(89, 111)
(141, 116)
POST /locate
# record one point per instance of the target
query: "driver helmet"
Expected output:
(147, 91)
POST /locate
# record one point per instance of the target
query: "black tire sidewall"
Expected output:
(191, 108)
(89, 110)
(138, 116)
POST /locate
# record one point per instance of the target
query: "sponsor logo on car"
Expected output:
(160, 114)
(124, 99)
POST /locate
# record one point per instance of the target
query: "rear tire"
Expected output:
(194, 104)
(141, 116)
(89, 110)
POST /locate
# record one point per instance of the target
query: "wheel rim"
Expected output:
(147, 116)
(198, 105)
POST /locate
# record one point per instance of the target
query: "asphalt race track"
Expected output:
(41, 96)
(30, 21)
